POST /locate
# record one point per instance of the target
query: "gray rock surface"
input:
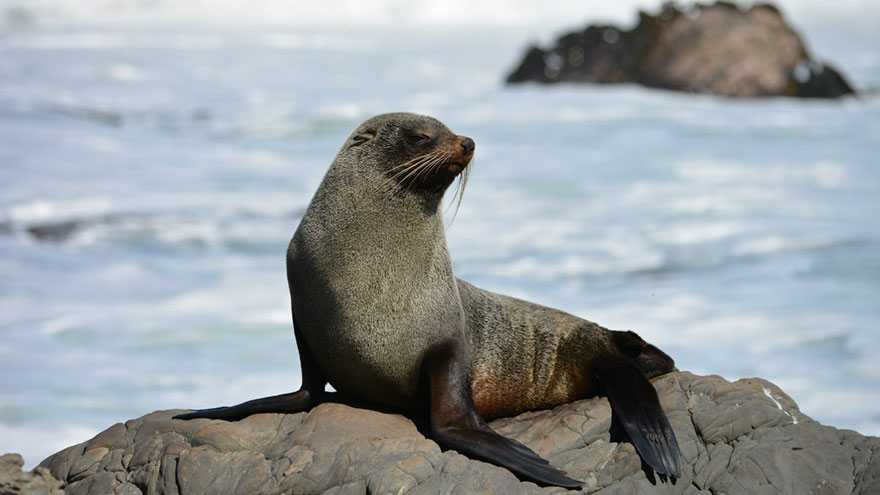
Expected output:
(746, 437)
(719, 48)
(36, 482)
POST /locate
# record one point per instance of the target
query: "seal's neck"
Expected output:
(361, 205)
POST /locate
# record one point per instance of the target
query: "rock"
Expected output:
(54, 232)
(746, 437)
(719, 49)
(36, 482)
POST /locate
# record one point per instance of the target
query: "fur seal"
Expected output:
(378, 313)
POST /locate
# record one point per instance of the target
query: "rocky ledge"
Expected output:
(745, 437)
(720, 49)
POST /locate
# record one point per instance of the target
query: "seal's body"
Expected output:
(527, 356)
(371, 284)
(378, 314)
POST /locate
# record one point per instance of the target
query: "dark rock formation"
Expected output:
(736, 438)
(719, 49)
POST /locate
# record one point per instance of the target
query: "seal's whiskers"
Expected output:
(430, 167)
(459, 190)
(407, 173)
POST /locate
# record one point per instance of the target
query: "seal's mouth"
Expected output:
(455, 167)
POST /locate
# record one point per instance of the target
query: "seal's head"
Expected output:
(414, 153)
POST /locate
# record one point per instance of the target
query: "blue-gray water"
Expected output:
(172, 165)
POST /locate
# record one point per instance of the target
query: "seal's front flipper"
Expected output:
(455, 423)
(285, 403)
(634, 401)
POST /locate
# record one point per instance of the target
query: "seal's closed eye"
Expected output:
(418, 138)
(362, 137)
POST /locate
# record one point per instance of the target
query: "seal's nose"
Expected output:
(468, 145)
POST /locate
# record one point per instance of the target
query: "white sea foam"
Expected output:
(822, 174)
(379, 13)
(75, 41)
(698, 232)
(39, 210)
(124, 72)
(312, 41)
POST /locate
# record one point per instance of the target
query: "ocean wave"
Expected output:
(208, 121)
(243, 229)
(823, 174)
(192, 40)
(353, 14)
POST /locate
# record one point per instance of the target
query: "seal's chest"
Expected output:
(371, 319)
(367, 360)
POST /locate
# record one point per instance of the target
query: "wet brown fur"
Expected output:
(527, 356)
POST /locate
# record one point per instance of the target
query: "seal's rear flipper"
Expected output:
(455, 423)
(285, 403)
(634, 401)
(483, 443)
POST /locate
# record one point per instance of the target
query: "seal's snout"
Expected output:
(467, 149)
(467, 145)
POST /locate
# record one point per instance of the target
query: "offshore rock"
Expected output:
(745, 437)
(720, 49)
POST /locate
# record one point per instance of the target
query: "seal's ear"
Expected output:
(362, 137)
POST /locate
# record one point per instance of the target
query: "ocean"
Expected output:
(151, 174)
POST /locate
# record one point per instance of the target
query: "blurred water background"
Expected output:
(155, 158)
